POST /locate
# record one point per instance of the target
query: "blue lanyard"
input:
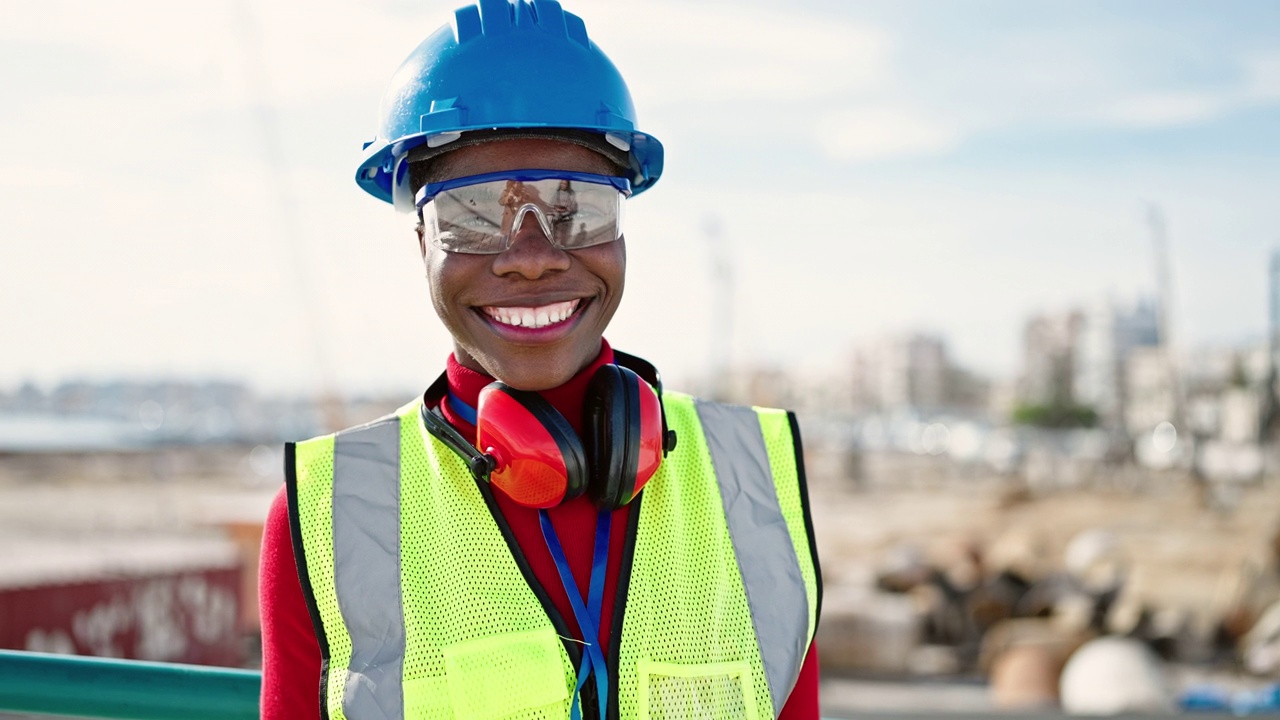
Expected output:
(588, 617)
(464, 411)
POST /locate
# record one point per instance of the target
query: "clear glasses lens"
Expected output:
(481, 218)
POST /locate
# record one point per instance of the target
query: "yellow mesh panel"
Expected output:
(505, 674)
(686, 605)
(470, 617)
(782, 460)
(696, 692)
(314, 466)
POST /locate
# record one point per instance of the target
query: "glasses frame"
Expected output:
(430, 190)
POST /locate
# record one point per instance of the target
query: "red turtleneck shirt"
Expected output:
(290, 652)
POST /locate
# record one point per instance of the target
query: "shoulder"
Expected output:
(772, 421)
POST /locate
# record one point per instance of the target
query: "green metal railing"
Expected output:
(85, 687)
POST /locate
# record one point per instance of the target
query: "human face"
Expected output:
(476, 295)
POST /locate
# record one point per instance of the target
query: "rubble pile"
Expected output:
(1044, 596)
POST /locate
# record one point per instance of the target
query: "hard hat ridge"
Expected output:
(504, 64)
(495, 17)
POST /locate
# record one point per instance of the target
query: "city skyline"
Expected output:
(177, 197)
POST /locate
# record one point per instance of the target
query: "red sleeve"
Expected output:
(802, 704)
(290, 652)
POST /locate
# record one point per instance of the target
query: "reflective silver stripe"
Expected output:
(767, 559)
(366, 566)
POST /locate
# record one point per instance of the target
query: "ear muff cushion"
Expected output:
(561, 432)
(611, 435)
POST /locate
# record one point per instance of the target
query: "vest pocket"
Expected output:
(504, 674)
(716, 691)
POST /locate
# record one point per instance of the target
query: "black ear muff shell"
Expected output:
(560, 431)
(611, 435)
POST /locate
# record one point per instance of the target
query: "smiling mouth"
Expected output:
(532, 317)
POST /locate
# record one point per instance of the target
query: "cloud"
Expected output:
(877, 133)
(1258, 83)
(1263, 77)
(222, 50)
(935, 93)
(696, 53)
(1165, 109)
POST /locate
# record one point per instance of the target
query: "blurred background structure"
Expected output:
(1013, 264)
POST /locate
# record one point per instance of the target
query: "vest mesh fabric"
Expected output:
(776, 426)
(478, 643)
(687, 621)
(470, 617)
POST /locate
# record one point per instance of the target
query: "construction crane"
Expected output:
(288, 226)
(1164, 317)
(1270, 419)
(722, 308)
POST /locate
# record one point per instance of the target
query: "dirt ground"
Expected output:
(1189, 553)
(1182, 552)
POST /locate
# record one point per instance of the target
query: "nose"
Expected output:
(530, 252)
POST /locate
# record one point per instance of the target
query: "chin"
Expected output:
(533, 381)
(536, 374)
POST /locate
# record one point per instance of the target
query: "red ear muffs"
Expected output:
(622, 435)
(526, 447)
(538, 459)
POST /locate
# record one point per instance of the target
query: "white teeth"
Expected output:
(533, 317)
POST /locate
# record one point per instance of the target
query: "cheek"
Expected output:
(609, 263)
(445, 278)
(435, 274)
(456, 279)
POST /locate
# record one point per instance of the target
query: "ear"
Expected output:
(421, 231)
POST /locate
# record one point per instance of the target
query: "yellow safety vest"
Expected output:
(424, 607)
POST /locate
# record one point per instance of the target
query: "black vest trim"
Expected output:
(620, 602)
(808, 517)
(300, 560)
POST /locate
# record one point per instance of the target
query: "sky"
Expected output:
(177, 194)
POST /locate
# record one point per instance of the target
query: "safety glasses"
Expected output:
(480, 214)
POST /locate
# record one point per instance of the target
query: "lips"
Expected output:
(536, 317)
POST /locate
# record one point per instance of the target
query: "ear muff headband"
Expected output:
(635, 437)
(646, 370)
(612, 435)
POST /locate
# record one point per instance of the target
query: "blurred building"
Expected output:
(766, 386)
(913, 371)
(1109, 334)
(85, 415)
(1049, 350)
(1106, 357)
(1227, 392)
(1151, 390)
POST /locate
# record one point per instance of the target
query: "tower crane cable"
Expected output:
(285, 207)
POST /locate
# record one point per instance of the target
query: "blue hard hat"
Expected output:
(503, 64)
